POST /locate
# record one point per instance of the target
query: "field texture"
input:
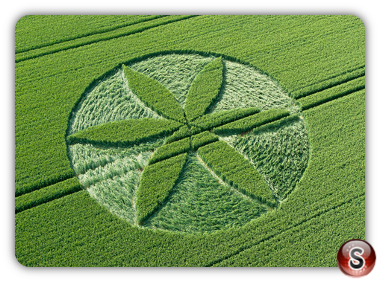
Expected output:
(188, 140)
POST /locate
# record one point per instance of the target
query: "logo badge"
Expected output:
(356, 258)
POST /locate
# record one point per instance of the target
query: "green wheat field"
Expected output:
(188, 140)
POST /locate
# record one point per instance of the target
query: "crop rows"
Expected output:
(332, 93)
(87, 40)
(67, 222)
(47, 194)
(181, 146)
(83, 65)
(248, 123)
(66, 28)
(219, 118)
(306, 54)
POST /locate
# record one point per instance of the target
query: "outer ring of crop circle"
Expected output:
(108, 73)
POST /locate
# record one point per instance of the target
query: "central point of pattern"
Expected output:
(186, 142)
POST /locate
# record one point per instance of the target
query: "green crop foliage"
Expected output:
(182, 132)
(204, 89)
(153, 191)
(332, 93)
(218, 118)
(125, 132)
(246, 124)
(170, 150)
(316, 59)
(154, 94)
(202, 139)
(236, 170)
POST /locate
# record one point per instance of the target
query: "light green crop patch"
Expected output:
(139, 141)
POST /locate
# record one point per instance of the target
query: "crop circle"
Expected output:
(218, 104)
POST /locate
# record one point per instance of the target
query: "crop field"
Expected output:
(188, 140)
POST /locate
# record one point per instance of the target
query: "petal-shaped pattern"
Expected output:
(204, 89)
(187, 148)
(154, 94)
(157, 181)
(125, 132)
(237, 171)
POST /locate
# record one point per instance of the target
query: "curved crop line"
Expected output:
(233, 167)
(206, 54)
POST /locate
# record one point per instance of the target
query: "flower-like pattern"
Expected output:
(160, 141)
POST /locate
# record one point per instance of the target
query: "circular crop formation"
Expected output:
(187, 142)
